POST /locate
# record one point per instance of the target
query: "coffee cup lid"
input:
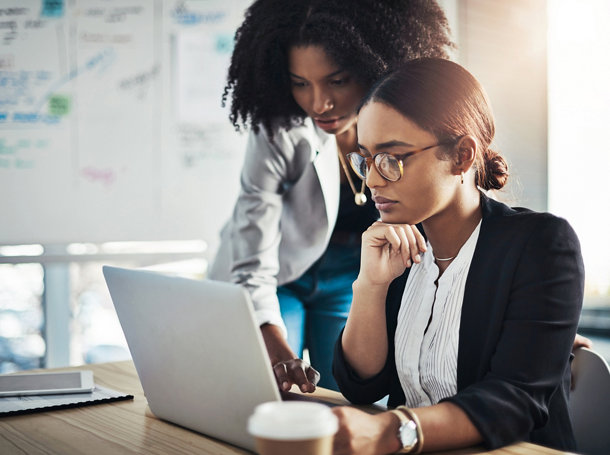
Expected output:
(292, 420)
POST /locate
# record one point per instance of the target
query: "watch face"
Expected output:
(408, 434)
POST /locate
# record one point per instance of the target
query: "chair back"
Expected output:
(590, 402)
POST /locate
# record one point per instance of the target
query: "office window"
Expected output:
(579, 146)
(67, 318)
(579, 116)
(22, 346)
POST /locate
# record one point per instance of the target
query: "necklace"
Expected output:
(444, 259)
(359, 197)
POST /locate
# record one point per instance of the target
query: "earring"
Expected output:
(462, 174)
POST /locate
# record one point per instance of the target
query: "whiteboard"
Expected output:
(111, 126)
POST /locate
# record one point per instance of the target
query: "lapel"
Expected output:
(326, 166)
(487, 285)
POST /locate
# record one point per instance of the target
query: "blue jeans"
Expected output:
(315, 307)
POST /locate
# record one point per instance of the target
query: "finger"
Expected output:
(581, 341)
(405, 247)
(392, 238)
(340, 445)
(421, 241)
(313, 375)
(281, 376)
(296, 370)
(376, 234)
(413, 242)
(341, 441)
(375, 227)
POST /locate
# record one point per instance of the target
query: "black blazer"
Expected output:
(521, 307)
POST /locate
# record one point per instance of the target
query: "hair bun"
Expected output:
(496, 171)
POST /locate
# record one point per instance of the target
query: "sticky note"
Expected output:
(59, 105)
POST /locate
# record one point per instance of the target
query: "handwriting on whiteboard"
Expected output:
(98, 175)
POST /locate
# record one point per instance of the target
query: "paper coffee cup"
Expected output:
(295, 428)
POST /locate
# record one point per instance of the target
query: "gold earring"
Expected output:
(462, 174)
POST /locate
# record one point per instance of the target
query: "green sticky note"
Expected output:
(59, 105)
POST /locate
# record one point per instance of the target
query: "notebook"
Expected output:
(197, 349)
(26, 404)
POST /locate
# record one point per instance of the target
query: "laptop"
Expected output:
(197, 349)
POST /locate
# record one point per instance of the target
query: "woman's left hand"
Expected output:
(365, 434)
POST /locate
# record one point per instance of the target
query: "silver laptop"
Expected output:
(197, 350)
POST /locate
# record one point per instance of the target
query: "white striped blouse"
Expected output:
(427, 332)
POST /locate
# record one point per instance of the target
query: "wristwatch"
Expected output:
(407, 433)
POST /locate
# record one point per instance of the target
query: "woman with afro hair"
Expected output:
(298, 72)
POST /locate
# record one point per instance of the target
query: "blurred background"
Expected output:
(114, 148)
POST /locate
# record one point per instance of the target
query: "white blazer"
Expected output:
(284, 216)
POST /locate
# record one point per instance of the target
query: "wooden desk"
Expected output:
(128, 427)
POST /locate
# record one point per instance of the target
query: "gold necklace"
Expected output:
(359, 197)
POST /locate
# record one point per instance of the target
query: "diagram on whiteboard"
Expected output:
(110, 120)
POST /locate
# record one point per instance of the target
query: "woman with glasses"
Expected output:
(298, 72)
(470, 339)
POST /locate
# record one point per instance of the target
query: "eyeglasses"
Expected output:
(389, 166)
